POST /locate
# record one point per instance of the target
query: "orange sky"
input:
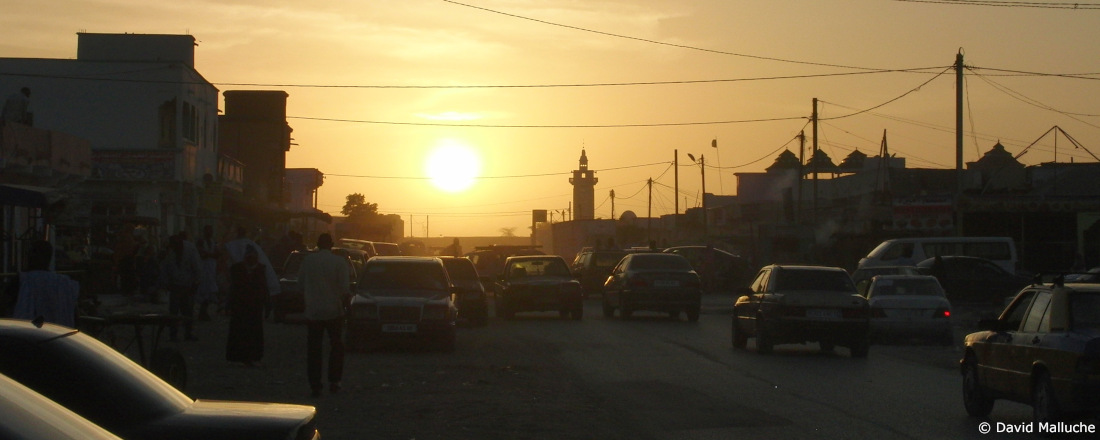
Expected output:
(649, 77)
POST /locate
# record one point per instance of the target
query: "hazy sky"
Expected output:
(646, 77)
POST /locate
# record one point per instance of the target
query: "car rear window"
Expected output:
(921, 287)
(608, 260)
(660, 261)
(828, 280)
(459, 269)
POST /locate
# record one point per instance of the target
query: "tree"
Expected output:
(364, 220)
(508, 232)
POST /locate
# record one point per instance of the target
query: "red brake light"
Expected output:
(942, 313)
(637, 282)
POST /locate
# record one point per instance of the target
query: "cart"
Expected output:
(143, 343)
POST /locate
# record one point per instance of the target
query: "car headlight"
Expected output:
(364, 311)
(434, 313)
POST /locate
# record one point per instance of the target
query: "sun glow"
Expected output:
(452, 166)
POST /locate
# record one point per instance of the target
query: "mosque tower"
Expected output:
(584, 196)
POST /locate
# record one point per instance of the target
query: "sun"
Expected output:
(452, 166)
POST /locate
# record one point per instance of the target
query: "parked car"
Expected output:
(538, 283)
(358, 257)
(908, 251)
(725, 271)
(1090, 276)
(107, 388)
(402, 299)
(909, 306)
(27, 415)
(470, 297)
(387, 249)
(799, 304)
(290, 298)
(862, 276)
(353, 243)
(593, 266)
(1043, 350)
(657, 282)
(973, 279)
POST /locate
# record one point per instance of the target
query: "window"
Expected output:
(1015, 313)
(1085, 311)
(1038, 312)
(759, 284)
(898, 251)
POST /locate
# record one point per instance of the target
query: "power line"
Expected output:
(436, 124)
(1010, 4)
(917, 88)
(662, 43)
(566, 173)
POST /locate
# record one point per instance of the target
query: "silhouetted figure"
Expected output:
(324, 277)
(180, 272)
(209, 252)
(235, 248)
(43, 293)
(247, 296)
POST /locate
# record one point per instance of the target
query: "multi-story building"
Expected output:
(150, 119)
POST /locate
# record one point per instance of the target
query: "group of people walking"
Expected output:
(235, 277)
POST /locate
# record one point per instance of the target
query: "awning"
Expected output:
(23, 195)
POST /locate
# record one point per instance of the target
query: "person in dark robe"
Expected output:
(247, 297)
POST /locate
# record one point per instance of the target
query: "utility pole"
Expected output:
(649, 213)
(815, 160)
(703, 171)
(958, 140)
(801, 174)
(676, 192)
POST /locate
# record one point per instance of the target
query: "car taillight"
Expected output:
(637, 282)
(434, 313)
(942, 313)
(878, 312)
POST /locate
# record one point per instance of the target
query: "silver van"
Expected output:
(910, 251)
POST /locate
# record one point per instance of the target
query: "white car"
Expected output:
(909, 306)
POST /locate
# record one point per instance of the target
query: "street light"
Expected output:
(703, 172)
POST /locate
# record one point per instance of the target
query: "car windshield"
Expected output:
(660, 261)
(915, 287)
(1086, 311)
(460, 269)
(828, 280)
(418, 279)
(293, 264)
(538, 267)
(387, 248)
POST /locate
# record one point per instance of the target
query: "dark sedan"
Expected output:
(290, 298)
(27, 415)
(470, 297)
(658, 282)
(538, 283)
(973, 279)
(1044, 350)
(402, 299)
(107, 388)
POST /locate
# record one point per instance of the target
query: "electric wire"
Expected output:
(1011, 4)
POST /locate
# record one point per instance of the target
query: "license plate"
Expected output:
(907, 314)
(823, 313)
(399, 328)
(666, 283)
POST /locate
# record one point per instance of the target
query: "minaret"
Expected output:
(584, 195)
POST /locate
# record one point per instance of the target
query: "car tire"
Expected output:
(578, 313)
(693, 314)
(504, 311)
(764, 344)
(608, 311)
(975, 400)
(169, 364)
(625, 311)
(860, 348)
(947, 339)
(1044, 403)
(740, 339)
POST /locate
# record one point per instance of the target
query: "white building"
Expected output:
(150, 117)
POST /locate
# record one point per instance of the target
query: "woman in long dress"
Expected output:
(246, 310)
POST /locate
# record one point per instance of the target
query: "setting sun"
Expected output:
(452, 166)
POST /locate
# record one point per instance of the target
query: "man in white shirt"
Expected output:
(326, 285)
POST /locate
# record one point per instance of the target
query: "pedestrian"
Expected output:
(148, 269)
(235, 248)
(125, 260)
(180, 272)
(209, 252)
(324, 278)
(43, 293)
(247, 296)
